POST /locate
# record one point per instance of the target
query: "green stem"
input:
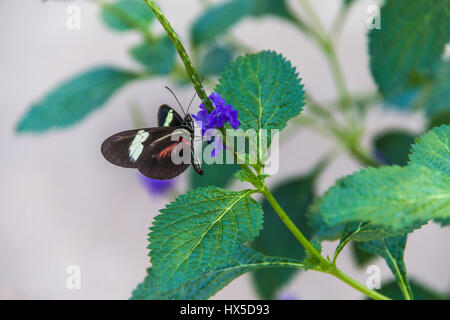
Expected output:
(182, 53)
(291, 226)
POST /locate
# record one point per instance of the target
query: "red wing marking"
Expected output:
(164, 152)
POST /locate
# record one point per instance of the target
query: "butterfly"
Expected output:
(150, 149)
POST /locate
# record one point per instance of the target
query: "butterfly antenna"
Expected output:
(192, 100)
(176, 99)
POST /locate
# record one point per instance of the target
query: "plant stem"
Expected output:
(291, 226)
(325, 266)
(357, 285)
(182, 53)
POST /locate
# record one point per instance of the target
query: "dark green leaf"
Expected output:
(124, 15)
(393, 146)
(206, 284)
(294, 196)
(158, 57)
(215, 60)
(445, 222)
(406, 50)
(220, 18)
(433, 150)
(264, 88)
(392, 251)
(75, 99)
(198, 232)
(438, 119)
(361, 257)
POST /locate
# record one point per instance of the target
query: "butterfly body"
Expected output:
(150, 149)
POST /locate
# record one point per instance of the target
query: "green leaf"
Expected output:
(215, 60)
(420, 291)
(393, 146)
(294, 196)
(206, 284)
(199, 230)
(436, 96)
(124, 15)
(394, 197)
(219, 175)
(218, 19)
(401, 66)
(158, 57)
(361, 257)
(432, 150)
(445, 222)
(75, 99)
(392, 251)
(264, 88)
(438, 119)
(366, 231)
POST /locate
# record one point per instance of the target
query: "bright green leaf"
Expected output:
(199, 230)
(125, 15)
(264, 88)
(294, 196)
(393, 146)
(158, 57)
(394, 197)
(206, 284)
(75, 99)
(392, 251)
(433, 150)
(409, 45)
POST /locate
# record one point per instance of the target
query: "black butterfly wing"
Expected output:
(125, 148)
(168, 117)
(156, 160)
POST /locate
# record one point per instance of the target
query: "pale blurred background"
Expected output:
(62, 204)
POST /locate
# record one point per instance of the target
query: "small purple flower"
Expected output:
(156, 187)
(222, 114)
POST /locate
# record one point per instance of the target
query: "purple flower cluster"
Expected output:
(222, 114)
(219, 116)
